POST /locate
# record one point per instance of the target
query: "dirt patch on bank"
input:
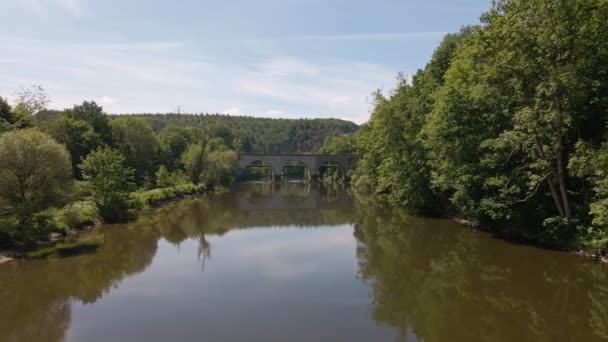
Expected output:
(4, 258)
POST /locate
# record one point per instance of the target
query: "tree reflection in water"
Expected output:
(446, 283)
(36, 297)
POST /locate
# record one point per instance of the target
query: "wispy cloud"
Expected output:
(73, 6)
(375, 36)
(45, 7)
(35, 5)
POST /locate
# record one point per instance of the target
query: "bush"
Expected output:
(74, 216)
(25, 233)
(147, 198)
(165, 179)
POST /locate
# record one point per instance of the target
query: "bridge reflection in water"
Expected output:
(289, 196)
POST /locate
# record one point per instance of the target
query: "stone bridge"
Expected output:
(313, 162)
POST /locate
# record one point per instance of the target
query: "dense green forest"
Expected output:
(62, 170)
(245, 133)
(506, 126)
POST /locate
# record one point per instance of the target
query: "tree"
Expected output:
(165, 178)
(339, 145)
(556, 76)
(11, 118)
(6, 117)
(110, 177)
(32, 99)
(34, 169)
(77, 135)
(193, 161)
(591, 164)
(94, 115)
(138, 143)
(219, 164)
(174, 140)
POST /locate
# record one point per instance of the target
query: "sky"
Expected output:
(267, 58)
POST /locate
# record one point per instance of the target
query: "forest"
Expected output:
(505, 127)
(65, 170)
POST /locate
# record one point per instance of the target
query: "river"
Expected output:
(301, 262)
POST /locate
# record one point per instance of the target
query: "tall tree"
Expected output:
(94, 115)
(107, 171)
(138, 143)
(34, 169)
(78, 136)
(32, 99)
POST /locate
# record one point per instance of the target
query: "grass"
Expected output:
(75, 215)
(148, 198)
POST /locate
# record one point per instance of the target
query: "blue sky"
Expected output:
(271, 58)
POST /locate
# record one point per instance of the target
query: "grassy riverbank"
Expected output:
(61, 223)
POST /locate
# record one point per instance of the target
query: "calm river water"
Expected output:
(298, 262)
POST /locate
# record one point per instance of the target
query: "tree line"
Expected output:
(60, 170)
(248, 134)
(506, 126)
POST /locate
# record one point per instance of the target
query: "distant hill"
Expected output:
(256, 135)
(260, 135)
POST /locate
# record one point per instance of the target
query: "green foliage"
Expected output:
(220, 165)
(147, 198)
(193, 160)
(110, 177)
(6, 116)
(488, 130)
(332, 176)
(174, 140)
(94, 115)
(74, 216)
(34, 169)
(138, 143)
(212, 163)
(339, 145)
(31, 100)
(256, 135)
(592, 165)
(77, 135)
(165, 179)
(17, 117)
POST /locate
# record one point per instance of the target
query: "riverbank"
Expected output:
(579, 252)
(78, 216)
(475, 225)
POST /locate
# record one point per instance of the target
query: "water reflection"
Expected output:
(35, 295)
(357, 272)
(444, 283)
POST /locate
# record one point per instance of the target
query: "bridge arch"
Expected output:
(313, 162)
(295, 169)
(331, 169)
(258, 170)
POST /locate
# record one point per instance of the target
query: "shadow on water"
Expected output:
(429, 280)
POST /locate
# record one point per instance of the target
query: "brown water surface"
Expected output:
(298, 262)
